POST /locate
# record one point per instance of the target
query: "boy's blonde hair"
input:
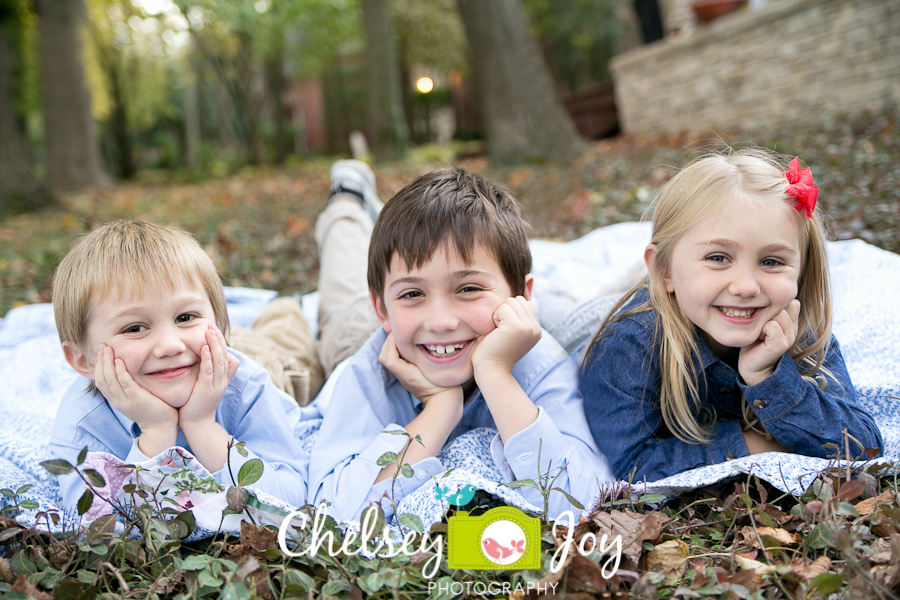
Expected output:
(128, 255)
(704, 189)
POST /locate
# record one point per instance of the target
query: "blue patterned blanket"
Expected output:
(569, 278)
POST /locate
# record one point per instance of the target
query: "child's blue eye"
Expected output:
(771, 262)
(410, 295)
(717, 258)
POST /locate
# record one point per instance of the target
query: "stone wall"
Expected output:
(793, 60)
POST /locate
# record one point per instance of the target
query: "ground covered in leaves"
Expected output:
(741, 539)
(258, 224)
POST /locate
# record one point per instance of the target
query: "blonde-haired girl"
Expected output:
(725, 348)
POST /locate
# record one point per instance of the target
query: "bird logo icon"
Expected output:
(460, 498)
(498, 553)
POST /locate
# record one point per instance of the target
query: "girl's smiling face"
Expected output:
(733, 272)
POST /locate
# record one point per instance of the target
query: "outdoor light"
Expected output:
(424, 84)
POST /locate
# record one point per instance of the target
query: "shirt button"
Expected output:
(421, 474)
(725, 390)
(760, 403)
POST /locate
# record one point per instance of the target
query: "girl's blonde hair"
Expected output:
(701, 190)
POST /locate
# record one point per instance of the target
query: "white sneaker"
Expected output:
(355, 178)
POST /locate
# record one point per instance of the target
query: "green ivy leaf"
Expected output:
(651, 498)
(58, 466)
(407, 470)
(571, 500)
(240, 449)
(8, 493)
(84, 503)
(522, 483)
(195, 562)
(81, 456)
(187, 517)
(250, 472)
(826, 584)
(24, 488)
(95, 477)
(205, 578)
(396, 432)
(412, 522)
(29, 504)
(388, 458)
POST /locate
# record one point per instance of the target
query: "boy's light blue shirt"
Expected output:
(253, 410)
(368, 400)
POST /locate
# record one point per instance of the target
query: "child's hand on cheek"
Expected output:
(158, 421)
(411, 378)
(757, 361)
(217, 367)
(518, 330)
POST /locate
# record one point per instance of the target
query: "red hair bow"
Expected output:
(801, 187)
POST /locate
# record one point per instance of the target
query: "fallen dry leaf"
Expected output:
(868, 505)
(23, 585)
(6, 573)
(633, 527)
(881, 552)
(808, 570)
(257, 537)
(669, 557)
(783, 537)
(760, 569)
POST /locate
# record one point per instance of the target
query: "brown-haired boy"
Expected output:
(460, 347)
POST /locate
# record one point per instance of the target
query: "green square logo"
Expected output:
(501, 539)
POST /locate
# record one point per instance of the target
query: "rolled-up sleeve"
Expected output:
(344, 459)
(805, 415)
(560, 435)
(621, 390)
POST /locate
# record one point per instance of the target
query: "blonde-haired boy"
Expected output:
(141, 316)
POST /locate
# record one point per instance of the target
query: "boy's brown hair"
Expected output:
(450, 206)
(128, 254)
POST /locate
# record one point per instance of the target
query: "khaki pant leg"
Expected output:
(281, 340)
(346, 317)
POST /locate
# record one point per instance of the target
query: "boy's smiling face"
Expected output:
(158, 336)
(439, 312)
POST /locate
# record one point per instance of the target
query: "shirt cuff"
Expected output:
(777, 393)
(135, 456)
(518, 458)
(728, 442)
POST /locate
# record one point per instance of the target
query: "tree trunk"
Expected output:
(276, 84)
(73, 152)
(16, 163)
(523, 116)
(192, 129)
(247, 97)
(124, 157)
(386, 123)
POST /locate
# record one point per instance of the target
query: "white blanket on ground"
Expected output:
(866, 301)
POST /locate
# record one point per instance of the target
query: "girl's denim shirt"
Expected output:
(621, 387)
